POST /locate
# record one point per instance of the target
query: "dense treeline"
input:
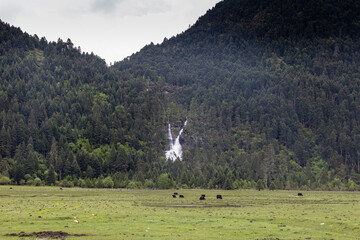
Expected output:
(270, 90)
(65, 113)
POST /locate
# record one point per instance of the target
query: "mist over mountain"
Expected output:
(270, 91)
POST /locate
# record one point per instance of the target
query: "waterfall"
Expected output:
(175, 150)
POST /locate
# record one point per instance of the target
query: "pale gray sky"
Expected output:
(112, 29)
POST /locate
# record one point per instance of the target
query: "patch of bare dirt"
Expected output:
(46, 235)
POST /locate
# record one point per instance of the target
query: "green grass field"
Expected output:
(154, 214)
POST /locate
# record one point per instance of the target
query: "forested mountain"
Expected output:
(270, 90)
(65, 113)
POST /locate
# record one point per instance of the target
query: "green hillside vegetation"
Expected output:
(66, 115)
(270, 90)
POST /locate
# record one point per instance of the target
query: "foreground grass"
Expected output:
(154, 214)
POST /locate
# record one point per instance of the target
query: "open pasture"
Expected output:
(155, 214)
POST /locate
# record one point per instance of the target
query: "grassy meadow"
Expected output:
(155, 214)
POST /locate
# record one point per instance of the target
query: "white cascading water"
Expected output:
(175, 150)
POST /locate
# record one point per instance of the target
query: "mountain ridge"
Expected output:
(270, 96)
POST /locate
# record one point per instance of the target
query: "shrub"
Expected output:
(89, 183)
(351, 185)
(247, 184)
(66, 183)
(305, 187)
(30, 182)
(28, 177)
(149, 183)
(336, 183)
(37, 181)
(124, 183)
(134, 184)
(99, 183)
(185, 186)
(236, 184)
(75, 181)
(210, 185)
(81, 183)
(108, 182)
(228, 184)
(5, 180)
(164, 181)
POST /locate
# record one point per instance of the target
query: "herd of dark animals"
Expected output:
(202, 197)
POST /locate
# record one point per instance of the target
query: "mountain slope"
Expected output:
(65, 113)
(270, 89)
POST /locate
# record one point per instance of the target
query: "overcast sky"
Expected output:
(112, 29)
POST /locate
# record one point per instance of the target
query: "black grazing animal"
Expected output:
(181, 196)
(300, 194)
(218, 197)
(175, 193)
(174, 196)
(202, 197)
(61, 188)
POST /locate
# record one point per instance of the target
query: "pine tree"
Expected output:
(5, 142)
(259, 185)
(53, 154)
(75, 169)
(51, 176)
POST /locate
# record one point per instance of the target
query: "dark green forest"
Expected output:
(270, 90)
(66, 116)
